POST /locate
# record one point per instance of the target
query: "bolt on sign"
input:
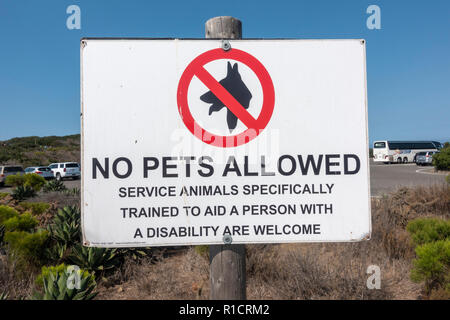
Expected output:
(188, 142)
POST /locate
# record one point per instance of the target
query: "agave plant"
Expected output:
(94, 259)
(65, 283)
(23, 192)
(72, 192)
(57, 252)
(66, 225)
(68, 213)
(54, 185)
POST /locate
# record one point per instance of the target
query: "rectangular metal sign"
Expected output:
(189, 142)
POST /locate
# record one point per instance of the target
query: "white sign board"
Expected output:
(186, 143)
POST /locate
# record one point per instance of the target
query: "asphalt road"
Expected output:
(384, 178)
(388, 177)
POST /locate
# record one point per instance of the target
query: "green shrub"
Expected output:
(27, 247)
(54, 185)
(32, 180)
(23, 222)
(60, 283)
(36, 208)
(23, 192)
(65, 227)
(15, 180)
(441, 160)
(426, 230)
(7, 213)
(94, 259)
(432, 265)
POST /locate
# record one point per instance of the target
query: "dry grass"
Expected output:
(180, 276)
(338, 270)
(391, 214)
(294, 271)
(307, 271)
(16, 286)
(321, 271)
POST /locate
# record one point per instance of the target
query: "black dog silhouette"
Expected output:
(236, 87)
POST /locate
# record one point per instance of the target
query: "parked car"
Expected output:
(7, 171)
(64, 170)
(425, 158)
(44, 172)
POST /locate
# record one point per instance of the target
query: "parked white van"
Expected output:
(64, 170)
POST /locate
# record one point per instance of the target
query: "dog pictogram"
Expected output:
(230, 92)
(236, 87)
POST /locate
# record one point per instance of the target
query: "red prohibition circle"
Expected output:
(254, 126)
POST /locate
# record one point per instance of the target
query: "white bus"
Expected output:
(401, 151)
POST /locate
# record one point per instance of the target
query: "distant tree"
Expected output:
(441, 160)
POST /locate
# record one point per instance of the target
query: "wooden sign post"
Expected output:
(227, 262)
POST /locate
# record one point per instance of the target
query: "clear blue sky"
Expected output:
(408, 60)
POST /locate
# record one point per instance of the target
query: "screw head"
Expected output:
(227, 239)
(226, 45)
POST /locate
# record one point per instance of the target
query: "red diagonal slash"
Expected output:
(254, 126)
(227, 99)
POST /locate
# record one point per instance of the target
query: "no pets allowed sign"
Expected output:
(185, 143)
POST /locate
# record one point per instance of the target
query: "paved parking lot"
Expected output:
(387, 177)
(383, 177)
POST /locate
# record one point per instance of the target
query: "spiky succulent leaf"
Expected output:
(55, 282)
(54, 185)
(94, 259)
(65, 228)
